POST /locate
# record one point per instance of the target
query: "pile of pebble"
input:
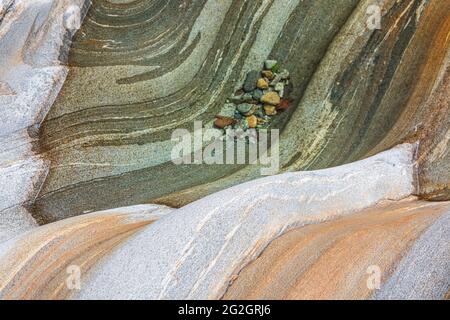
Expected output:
(264, 94)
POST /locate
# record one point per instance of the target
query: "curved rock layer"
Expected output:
(405, 243)
(34, 35)
(196, 251)
(140, 69)
(34, 266)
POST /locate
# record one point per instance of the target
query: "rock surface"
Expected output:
(207, 242)
(90, 129)
(45, 253)
(33, 41)
(357, 91)
(403, 241)
(305, 235)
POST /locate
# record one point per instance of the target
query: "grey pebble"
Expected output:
(257, 94)
(251, 80)
(244, 108)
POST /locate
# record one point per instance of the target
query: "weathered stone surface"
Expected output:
(403, 241)
(141, 69)
(78, 241)
(33, 36)
(205, 243)
(423, 274)
(339, 111)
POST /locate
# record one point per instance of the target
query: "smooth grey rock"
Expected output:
(250, 81)
(257, 94)
(209, 241)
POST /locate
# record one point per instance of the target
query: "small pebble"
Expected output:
(270, 89)
(257, 94)
(271, 98)
(222, 122)
(261, 121)
(243, 108)
(248, 97)
(270, 110)
(268, 74)
(275, 68)
(252, 121)
(275, 80)
(284, 105)
(279, 86)
(247, 109)
(284, 74)
(259, 113)
(262, 84)
(244, 124)
(269, 64)
(228, 110)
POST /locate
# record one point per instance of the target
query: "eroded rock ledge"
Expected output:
(207, 243)
(120, 139)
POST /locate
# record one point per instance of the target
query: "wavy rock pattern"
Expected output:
(243, 248)
(33, 37)
(205, 243)
(139, 70)
(34, 266)
(89, 129)
(333, 260)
